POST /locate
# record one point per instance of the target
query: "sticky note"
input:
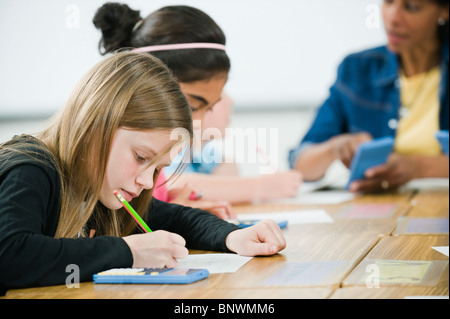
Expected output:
(367, 211)
(428, 225)
(402, 272)
(307, 273)
(407, 225)
(398, 272)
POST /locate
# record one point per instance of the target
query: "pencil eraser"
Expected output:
(116, 192)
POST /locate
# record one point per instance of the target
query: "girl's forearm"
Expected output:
(314, 161)
(224, 188)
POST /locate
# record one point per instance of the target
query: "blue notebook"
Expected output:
(442, 137)
(370, 154)
(150, 276)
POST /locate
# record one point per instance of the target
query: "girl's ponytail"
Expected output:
(116, 22)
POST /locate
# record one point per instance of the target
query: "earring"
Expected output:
(441, 21)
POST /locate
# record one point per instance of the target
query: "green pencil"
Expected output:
(132, 212)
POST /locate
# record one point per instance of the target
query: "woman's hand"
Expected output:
(263, 239)
(398, 171)
(221, 209)
(156, 250)
(345, 146)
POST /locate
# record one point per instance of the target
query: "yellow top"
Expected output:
(419, 115)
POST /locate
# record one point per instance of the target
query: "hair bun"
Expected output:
(116, 22)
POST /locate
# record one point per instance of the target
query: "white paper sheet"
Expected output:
(315, 216)
(215, 263)
(442, 250)
(427, 184)
(319, 198)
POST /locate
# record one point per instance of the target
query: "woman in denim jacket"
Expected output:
(399, 90)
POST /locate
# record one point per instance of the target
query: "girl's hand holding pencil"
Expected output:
(154, 249)
(162, 249)
(158, 249)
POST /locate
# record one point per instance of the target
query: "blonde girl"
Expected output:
(115, 132)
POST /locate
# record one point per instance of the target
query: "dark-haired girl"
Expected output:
(192, 45)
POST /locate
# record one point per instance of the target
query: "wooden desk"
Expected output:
(428, 214)
(348, 241)
(430, 204)
(248, 282)
(200, 290)
(437, 197)
(342, 223)
(401, 248)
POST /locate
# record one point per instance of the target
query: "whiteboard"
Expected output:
(284, 53)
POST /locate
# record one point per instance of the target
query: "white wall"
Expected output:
(284, 53)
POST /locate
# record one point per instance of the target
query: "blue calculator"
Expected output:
(370, 154)
(150, 276)
(442, 137)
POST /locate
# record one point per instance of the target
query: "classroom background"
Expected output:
(284, 57)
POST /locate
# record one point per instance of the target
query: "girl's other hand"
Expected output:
(263, 239)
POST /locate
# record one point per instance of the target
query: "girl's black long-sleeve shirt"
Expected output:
(29, 214)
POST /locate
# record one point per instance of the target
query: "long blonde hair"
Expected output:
(129, 90)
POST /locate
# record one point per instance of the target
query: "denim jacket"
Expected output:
(366, 98)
